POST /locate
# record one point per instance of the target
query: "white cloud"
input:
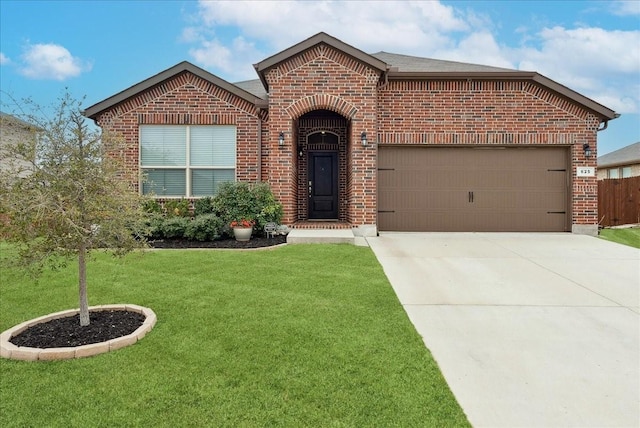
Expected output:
(4, 59)
(626, 7)
(477, 48)
(51, 61)
(403, 27)
(601, 64)
(228, 59)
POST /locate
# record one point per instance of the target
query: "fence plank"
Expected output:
(619, 201)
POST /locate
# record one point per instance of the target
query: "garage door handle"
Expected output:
(471, 197)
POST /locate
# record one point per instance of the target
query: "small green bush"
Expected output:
(205, 227)
(177, 208)
(236, 201)
(154, 226)
(152, 206)
(203, 206)
(174, 227)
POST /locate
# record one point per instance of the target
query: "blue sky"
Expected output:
(99, 48)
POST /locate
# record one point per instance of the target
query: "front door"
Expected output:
(323, 185)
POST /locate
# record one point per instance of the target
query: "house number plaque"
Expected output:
(585, 171)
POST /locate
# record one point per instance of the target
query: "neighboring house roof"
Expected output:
(391, 66)
(16, 121)
(625, 156)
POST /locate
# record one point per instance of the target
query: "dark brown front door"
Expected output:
(323, 185)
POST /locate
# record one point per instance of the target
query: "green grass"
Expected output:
(304, 335)
(630, 236)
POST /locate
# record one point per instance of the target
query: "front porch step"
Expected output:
(321, 236)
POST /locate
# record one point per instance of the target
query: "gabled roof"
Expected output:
(263, 66)
(625, 156)
(391, 66)
(169, 73)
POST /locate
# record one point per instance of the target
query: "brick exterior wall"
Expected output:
(188, 100)
(506, 113)
(323, 78)
(397, 112)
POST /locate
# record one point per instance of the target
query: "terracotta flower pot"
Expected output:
(242, 233)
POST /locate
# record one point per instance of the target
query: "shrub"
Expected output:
(203, 206)
(271, 210)
(152, 206)
(206, 227)
(177, 208)
(153, 226)
(236, 201)
(174, 227)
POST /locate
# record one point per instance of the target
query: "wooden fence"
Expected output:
(619, 201)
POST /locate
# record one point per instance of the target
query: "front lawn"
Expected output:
(628, 236)
(302, 335)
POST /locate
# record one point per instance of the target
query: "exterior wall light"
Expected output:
(587, 150)
(281, 139)
(363, 139)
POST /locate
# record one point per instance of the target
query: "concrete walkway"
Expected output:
(529, 330)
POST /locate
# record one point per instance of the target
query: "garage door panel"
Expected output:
(470, 189)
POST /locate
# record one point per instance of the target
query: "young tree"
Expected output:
(64, 191)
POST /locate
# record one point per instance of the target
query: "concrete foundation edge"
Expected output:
(585, 229)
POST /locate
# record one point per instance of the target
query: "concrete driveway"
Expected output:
(529, 329)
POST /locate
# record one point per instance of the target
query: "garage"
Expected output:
(473, 189)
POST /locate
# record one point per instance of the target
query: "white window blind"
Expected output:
(163, 145)
(213, 146)
(187, 160)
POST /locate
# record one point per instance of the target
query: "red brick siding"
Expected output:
(324, 78)
(439, 112)
(188, 100)
(492, 113)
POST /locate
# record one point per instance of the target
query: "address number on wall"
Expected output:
(585, 171)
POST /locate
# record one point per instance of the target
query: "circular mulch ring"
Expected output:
(58, 336)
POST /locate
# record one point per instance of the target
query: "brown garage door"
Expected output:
(473, 189)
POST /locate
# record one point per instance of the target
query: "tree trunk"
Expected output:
(82, 286)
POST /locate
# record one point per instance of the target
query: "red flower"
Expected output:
(242, 223)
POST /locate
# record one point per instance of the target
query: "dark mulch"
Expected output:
(107, 325)
(66, 332)
(254, 242)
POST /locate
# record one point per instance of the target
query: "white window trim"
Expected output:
(187, 168)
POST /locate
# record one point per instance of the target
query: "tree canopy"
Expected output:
(65, 191)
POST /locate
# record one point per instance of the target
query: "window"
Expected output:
(626, 172)
(613, 173)
(187, 160)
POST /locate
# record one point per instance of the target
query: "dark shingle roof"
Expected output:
(254, 87)
(624, 156)
(407, 63)
(403, 63)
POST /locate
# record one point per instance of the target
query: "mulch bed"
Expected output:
(66, 332)
(107, 325)
(254, 242)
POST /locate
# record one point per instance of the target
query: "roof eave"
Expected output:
(605, 113)
(96, 109)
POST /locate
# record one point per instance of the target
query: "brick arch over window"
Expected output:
(322, 102)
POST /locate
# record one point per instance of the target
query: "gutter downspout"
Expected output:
(259, 146)
(606, 123)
